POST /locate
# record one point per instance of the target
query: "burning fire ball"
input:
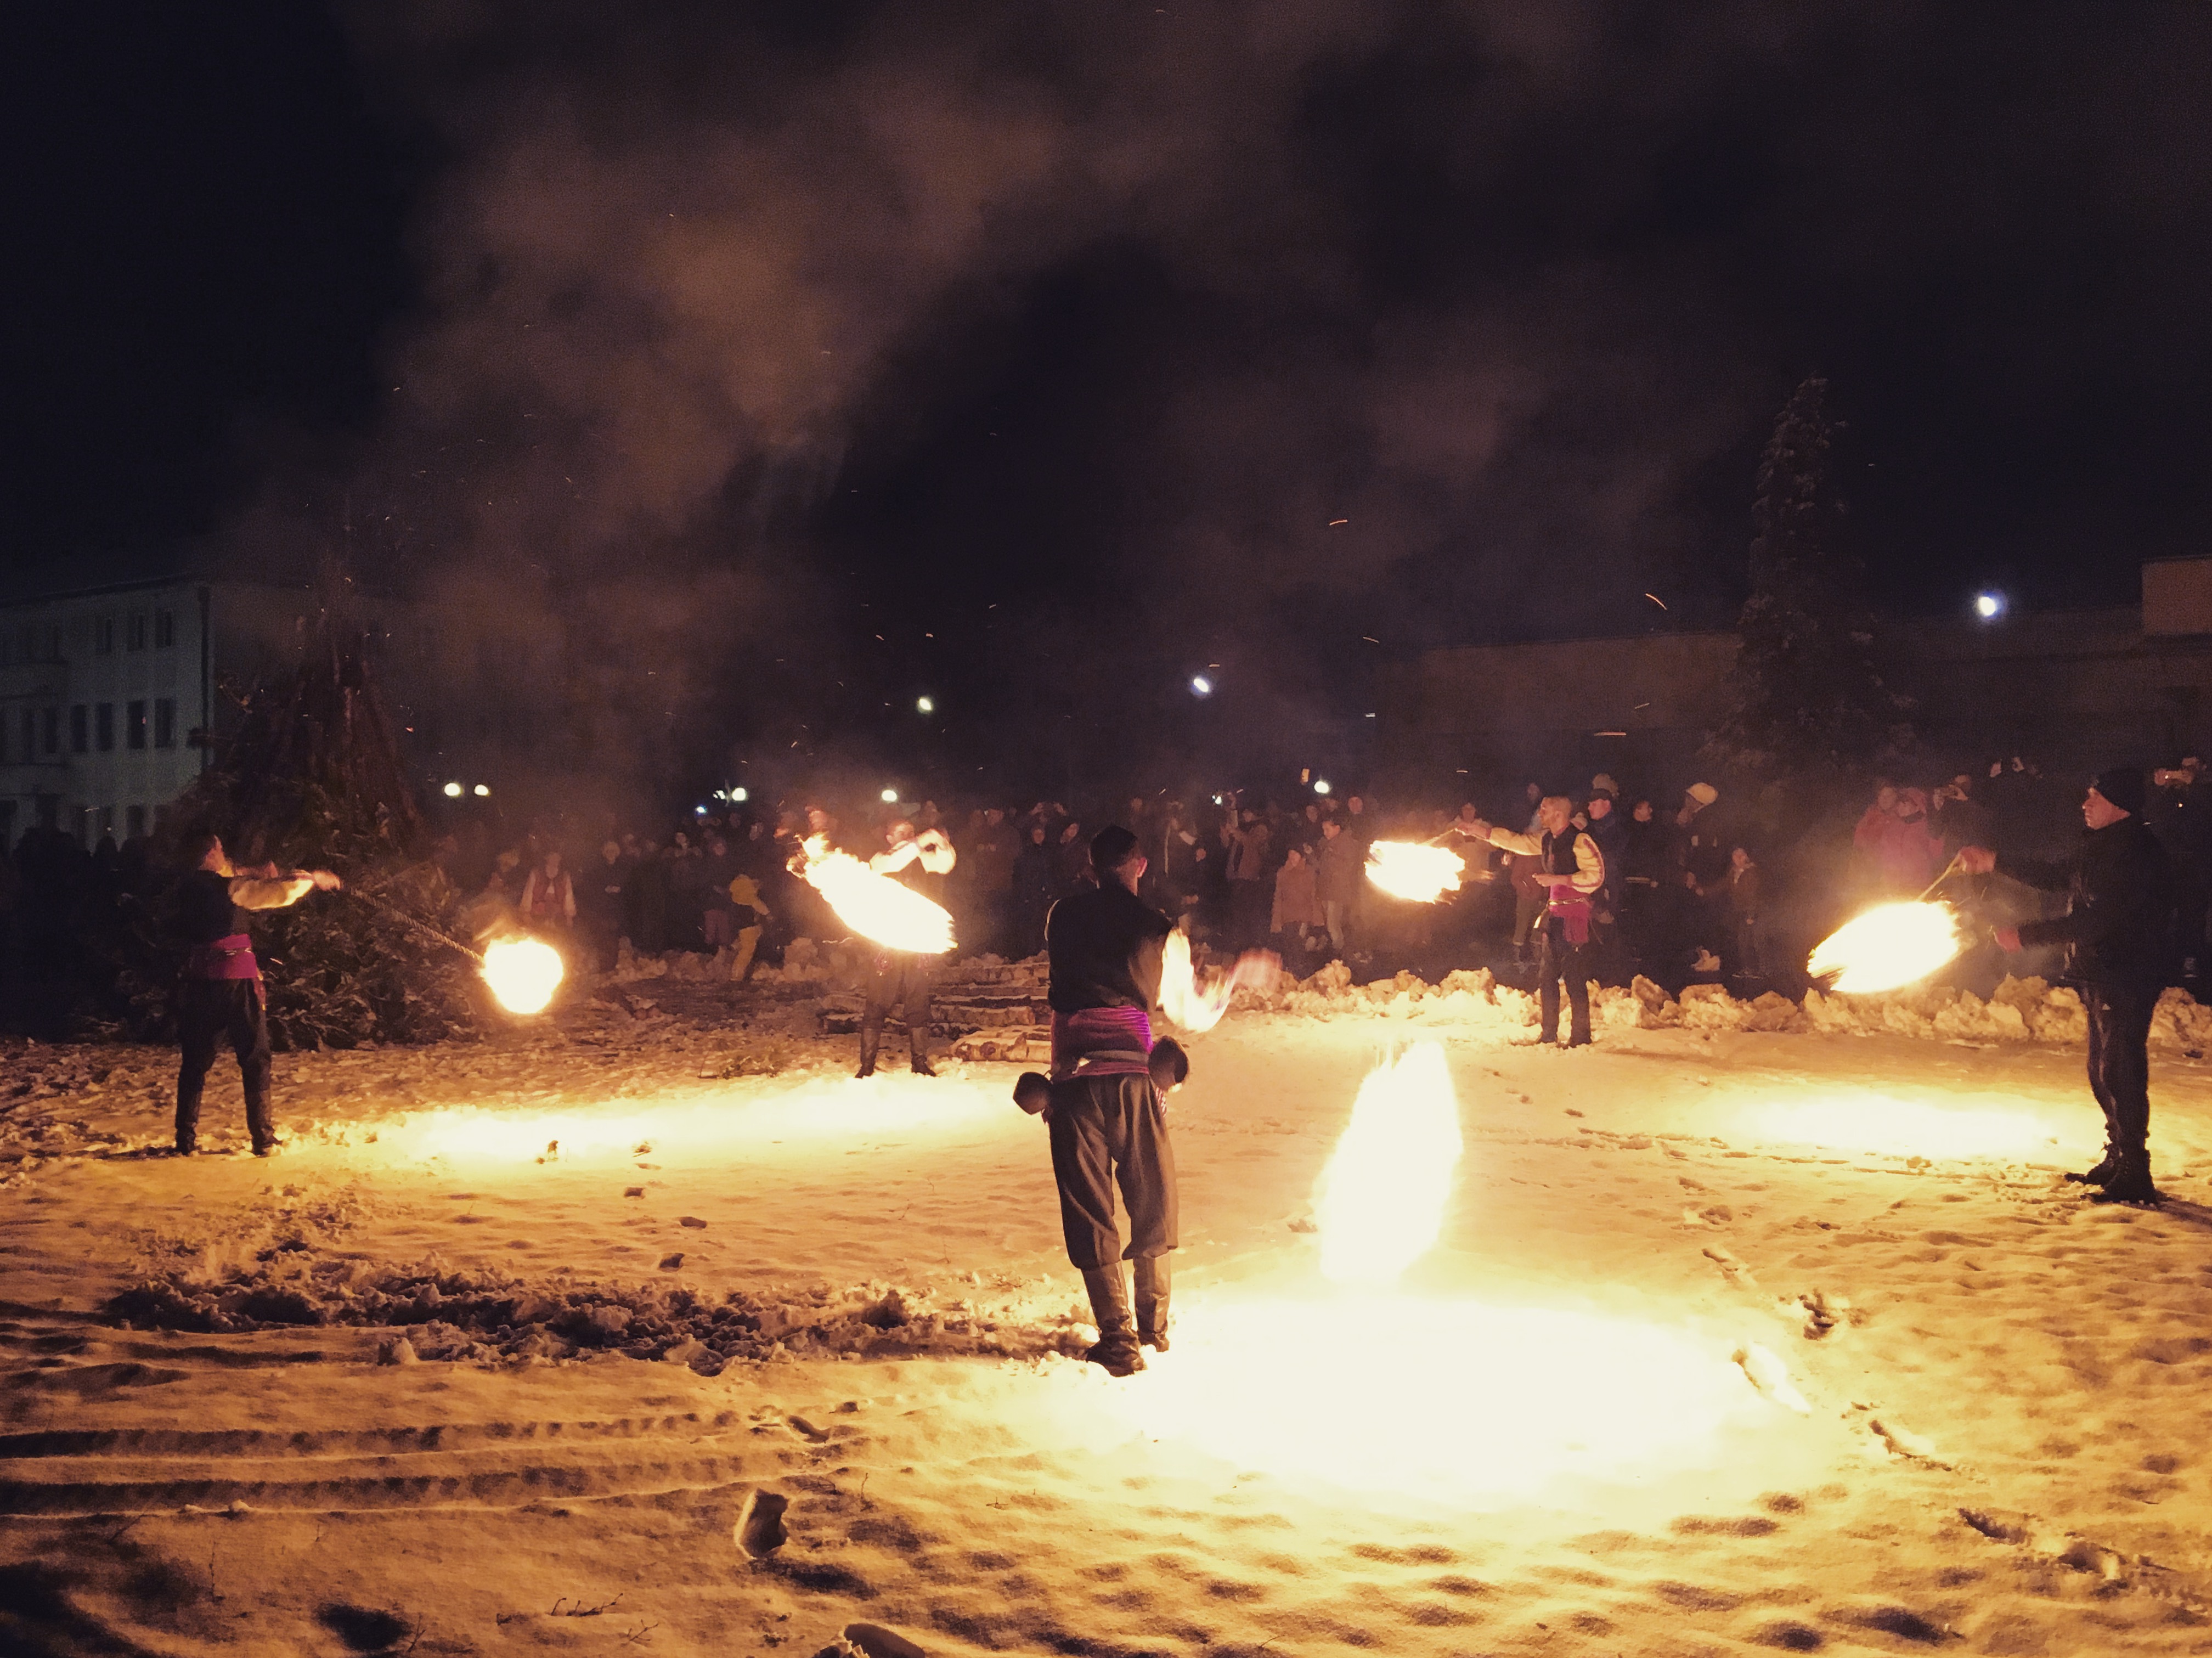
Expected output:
(523, 974)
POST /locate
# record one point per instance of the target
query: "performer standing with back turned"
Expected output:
(221, 994)
(1108, 1119)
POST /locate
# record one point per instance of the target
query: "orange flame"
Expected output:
(1413, 870)
(875, 906)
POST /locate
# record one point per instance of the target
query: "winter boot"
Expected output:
(2130, 1182)
(1116, 1352)
(2103, 1172)
(920, 1058)
(1153, 1302)
(872, 1036)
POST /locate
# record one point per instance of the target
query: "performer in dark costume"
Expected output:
(1572, 870)
(2121, 897)
(900, 978)
(221, 994)
(1107, 1120)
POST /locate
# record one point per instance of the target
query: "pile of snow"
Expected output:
(2020, 1009)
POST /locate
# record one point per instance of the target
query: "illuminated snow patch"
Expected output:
(1452, 1400)
(688, 1128)
(1877, 1122)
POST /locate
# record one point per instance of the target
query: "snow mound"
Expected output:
(2019, 1011)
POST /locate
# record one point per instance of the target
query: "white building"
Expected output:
(104, 695)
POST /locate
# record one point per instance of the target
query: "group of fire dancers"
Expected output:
(1107, 953)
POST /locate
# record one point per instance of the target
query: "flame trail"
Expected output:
(1413, 870)
(1381, 1199)
(1889, 946)
(1197, 1007)
(523, 974)
(875, 906)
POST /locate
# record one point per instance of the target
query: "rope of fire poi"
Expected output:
(405, 919)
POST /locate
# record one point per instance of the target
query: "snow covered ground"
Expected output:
(493, 1358)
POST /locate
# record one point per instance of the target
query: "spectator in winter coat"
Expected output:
(1339, 874)
(1740, 896)
(1036, 885)
(1245, 842)
(548, 898)
(600, 901)
(1297, 907)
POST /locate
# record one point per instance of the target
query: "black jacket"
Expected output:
(1105, 946)
(2120, 904)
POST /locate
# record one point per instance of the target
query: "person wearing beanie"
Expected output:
(1104, 1114)
(2121, 896)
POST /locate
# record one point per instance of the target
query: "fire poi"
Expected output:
(1890, 946)
(1413, 870)
(523, 974)
(1197, 1007)
(875, 906)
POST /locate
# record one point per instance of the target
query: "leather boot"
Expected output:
(919, 1056)
(1153, 1302)
(872, 1036)
(2103, 1172)
(1116, 1352)
(2130, 1181)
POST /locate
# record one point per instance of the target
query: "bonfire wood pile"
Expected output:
(987, 1009)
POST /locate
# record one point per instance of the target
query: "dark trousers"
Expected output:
(1107, 1131)
(901, 980)
(210, 1012)
(1557, 959)
(2119, 1061)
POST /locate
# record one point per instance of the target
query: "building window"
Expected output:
(165, 722)
(134, 631)
(165, 629)
(135, 818)
(134, 725)
(53, 724)
(103, 725)
(103, 635)
(80, 730)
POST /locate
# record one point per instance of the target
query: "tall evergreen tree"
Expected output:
(1806, 694)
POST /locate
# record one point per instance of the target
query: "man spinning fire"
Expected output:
(1572, 870)
(901, 977)
(2121, 896)
(1105, 1107)
(222, 995)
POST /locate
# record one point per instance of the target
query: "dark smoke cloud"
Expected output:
(757, 332)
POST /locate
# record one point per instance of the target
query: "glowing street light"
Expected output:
(925, 705)
(1320, 786)
(1200, 685)
(1988, 606)
(481, 790)
(738, 795)
(452, 791)
(890, 797)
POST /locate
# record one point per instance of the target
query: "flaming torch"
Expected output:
(1413, 870)
(1890, 946)
(875, 906)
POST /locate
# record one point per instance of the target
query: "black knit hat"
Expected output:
(1110, 848)
(2123, 786)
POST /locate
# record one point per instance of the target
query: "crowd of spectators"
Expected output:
(1688, 891)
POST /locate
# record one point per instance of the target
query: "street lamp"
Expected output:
(925, 705)
(452, 791)
(890, 797)
(1988, 606)
(481, 791)
(1200, 685)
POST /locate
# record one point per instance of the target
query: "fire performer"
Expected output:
(1571, 869)
(2121, 896)
(901, 977)
(1107, 1117)
(222, 995)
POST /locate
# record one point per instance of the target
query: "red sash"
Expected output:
(226, 958)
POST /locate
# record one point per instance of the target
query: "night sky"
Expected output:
(1047, 341)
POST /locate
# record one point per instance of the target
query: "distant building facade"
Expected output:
(2070, 688)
